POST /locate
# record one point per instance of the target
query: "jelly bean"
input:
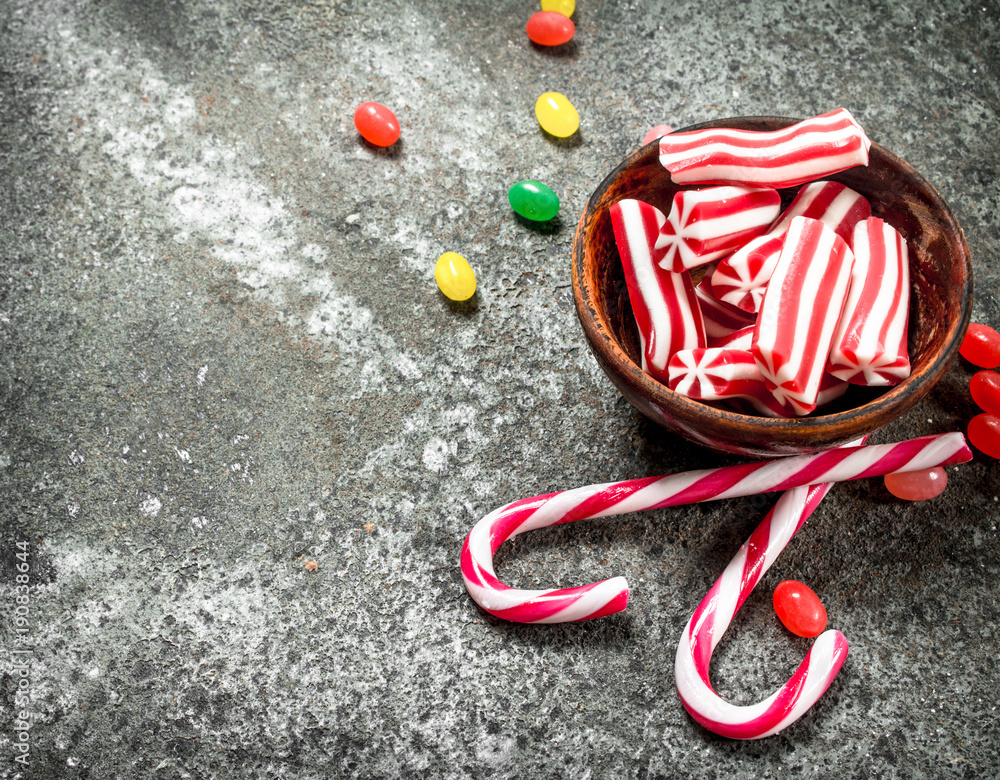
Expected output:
(984, 433)
(455, 276)
(656, 133)
(917, 485)
(533, 200)
(556, 115)
(985, 389)
(799, 609)
(376, 123)
(565, 7)
(550, 28)
(981, 346)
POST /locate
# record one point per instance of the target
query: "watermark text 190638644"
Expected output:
(21, 655)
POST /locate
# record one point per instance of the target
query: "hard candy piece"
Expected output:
(764, 403)
(803, 152)
(707, 224)
(800, 312)
(655, 133)
(870, 345)
(664, 304)
(556, 115)
(985, 389)
(742, 277)
(550, 28)
(455, 276)
(533, 200)
(721, 319)
(917, 485)
(799, 608)
(376, 123)
(565, 7)
(981, 346)
(984, 433)
(714, 374)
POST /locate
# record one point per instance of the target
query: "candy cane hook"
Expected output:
(712, 617)
(586, 602)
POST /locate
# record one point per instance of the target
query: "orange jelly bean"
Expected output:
(799, 608)
(550, 28)
(376, 123)
(917, 485)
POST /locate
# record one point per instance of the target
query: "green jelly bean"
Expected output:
(533, 200)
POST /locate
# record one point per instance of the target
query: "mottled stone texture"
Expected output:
(222, 356)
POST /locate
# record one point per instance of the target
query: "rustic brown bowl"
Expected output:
(940, 303)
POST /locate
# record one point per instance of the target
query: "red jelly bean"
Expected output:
(985, 389)
(981, 346)
(799, 609)
(376, 123)
(984, 433)
(917, 485)
(550, 28)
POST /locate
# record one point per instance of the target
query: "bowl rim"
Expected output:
(861, 419)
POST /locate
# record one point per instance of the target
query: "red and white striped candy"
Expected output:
(742, 277)
(803, 152)
(710, 620)
(664, 304)
(801, 310)
(714, 374)
(721, 319)
(561, 605)
(738, 339)
(870, 345)
(704, 225)
(764, 403)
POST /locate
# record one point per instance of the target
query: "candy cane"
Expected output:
(562, 605)
(712, 617)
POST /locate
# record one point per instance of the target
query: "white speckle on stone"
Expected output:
(151, 506)
(352, 218)
(73, 509)
(202, 373)
(435, 455)
(94, 673)
(184, 455)
(75, 458)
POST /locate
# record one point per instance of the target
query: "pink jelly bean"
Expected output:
(803, 152)
(800, 312)
(742, 277)
(870, 345)
(917, 485)
(707, 224)
(656, 133)
(985, 389)
(664, 304)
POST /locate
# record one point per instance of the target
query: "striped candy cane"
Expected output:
(563, 605)
(712, 617)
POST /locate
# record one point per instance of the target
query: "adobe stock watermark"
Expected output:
(21, 655)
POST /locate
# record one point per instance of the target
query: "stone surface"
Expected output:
(223, 357)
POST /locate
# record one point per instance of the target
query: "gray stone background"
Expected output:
(223, 355)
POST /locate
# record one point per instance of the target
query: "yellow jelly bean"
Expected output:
(455, 276)
(565, 7)
(556, 115)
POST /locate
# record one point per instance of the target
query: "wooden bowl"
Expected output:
(940, 303)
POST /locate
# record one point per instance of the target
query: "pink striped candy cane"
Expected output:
(805, 151)
(704, 225)
(663, 303)
(562, 605)
(870, 345)
(712, 617)
(742, 277)
(800, 313)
